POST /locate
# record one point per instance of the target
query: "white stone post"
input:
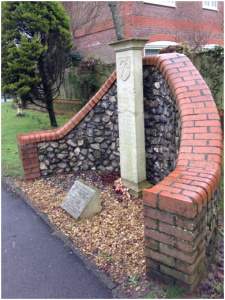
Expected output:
(131, 114)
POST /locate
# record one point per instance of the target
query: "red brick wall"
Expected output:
(149, 20)
(155, 22)
(102, 33)
(97, 45)
(175, 210)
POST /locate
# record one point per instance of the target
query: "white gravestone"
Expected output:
(131, 114)
(82, 201)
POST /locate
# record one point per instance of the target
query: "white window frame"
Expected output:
(158, 45)
(209, 46)
(162, 2)
(208, 5)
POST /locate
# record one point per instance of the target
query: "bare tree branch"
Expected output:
(82, 14)
(198, 37)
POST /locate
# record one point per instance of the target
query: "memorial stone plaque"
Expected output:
(82, 201)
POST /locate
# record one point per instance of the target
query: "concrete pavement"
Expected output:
(36, 263)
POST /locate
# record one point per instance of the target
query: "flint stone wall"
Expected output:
(162, 125)
(94, 143)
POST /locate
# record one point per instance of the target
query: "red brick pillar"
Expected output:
(29, 158)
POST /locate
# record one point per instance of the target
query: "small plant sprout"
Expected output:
(133, 281)
(175, 292)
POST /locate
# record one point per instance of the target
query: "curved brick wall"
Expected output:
(181, 211)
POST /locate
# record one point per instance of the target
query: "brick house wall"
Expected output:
(154, 22)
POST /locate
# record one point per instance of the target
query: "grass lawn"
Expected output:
(11, 125)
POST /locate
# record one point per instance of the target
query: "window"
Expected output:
(210, 5)
(162, 2)
(154, 47)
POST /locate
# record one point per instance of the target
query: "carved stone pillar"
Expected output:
(131, 114)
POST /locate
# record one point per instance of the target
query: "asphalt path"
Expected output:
(35, 264)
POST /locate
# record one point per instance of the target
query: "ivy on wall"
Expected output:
(212, 67)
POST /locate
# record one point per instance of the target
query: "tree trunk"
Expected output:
(19, 109)
(116, 20)
(51, 113)
(49, 101)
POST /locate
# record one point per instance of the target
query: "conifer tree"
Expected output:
(36, 49)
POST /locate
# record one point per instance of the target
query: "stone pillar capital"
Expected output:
(128, 44)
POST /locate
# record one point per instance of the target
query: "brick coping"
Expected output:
(188, 189)
(55, 134)
(193, 182)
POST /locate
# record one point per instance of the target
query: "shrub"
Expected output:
(84, 79)
(180, 48)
